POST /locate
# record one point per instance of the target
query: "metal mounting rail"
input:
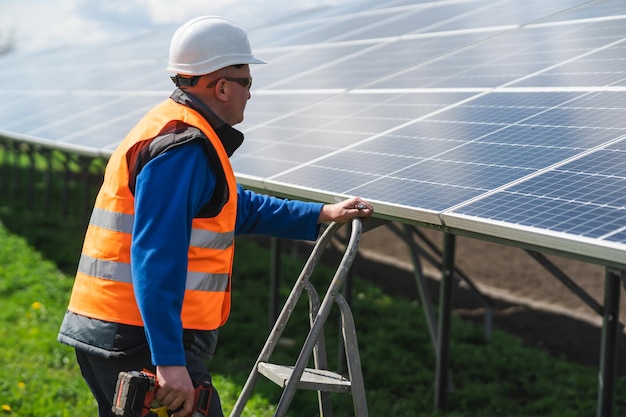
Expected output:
(320, 379)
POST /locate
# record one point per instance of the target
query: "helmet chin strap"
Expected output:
(185, 81)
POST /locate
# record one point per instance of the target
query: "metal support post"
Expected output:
(83, 164)
(275, 278)
(445, 312)
(31, 174)
(420, 280)
(489, 304)
(608, 352)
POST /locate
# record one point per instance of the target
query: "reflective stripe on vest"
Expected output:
(111, 220)
(120, 222)
(103, 286)
(118, 271)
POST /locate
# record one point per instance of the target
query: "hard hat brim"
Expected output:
(213, 65)
(257, 61)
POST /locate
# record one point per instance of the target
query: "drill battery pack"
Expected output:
(134, 392)
(134, 396)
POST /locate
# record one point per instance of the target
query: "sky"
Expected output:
(42, 24)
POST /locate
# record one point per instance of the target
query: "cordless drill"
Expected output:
(134, 396)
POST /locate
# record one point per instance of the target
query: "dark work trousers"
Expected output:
(100, 374)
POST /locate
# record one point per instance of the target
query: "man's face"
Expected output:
(239, 92)
(226, 91)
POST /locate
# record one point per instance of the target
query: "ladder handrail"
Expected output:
(294, 296)
(333, 290)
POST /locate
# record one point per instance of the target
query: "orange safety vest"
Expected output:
(103, 287)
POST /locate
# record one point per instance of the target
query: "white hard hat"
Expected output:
(208, 43)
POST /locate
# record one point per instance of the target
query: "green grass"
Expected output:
(39, 376)
(502, 377)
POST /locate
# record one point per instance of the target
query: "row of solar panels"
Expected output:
(500, 118)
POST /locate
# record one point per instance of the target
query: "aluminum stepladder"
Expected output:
(320, 379)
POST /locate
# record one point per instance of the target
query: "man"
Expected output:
(166, 215)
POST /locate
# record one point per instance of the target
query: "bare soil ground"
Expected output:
(530, 302)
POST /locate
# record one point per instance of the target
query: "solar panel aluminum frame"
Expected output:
(610, 254)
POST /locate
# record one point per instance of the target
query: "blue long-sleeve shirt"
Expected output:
(169, 191)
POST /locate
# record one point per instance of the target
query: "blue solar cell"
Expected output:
(302, 65)
(511, 13)
(604, 162)
(620, 146)
(412, 193)
(582, 117)
(572, 217)
(448, 131)
(564, 137)
(286, 34)
(368, 65)
(340, 23)
(359, 161)
(459, 174)
(487, 114)
(618, 235)
(586, 197)
(321, 178)
(406, 21)
(527, 99)
(95, 125)
(587, 11)
(253, 166)
(407, 146)
(504, 155)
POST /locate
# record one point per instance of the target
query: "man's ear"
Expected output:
(220, 90)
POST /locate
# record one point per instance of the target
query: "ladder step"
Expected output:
(312, 379)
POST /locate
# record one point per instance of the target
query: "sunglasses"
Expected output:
(244, 82)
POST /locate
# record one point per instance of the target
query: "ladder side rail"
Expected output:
(327, 303)
(353, 357)
(319, 350)
(283, 317)
(320, 358)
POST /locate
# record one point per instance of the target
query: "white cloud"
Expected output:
(41, 24)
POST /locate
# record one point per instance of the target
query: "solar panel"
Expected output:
(496, 118)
